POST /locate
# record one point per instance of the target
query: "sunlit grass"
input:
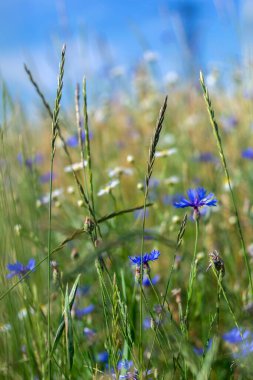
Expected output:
(113, 196)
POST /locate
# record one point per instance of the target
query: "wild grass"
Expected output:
(95, 191)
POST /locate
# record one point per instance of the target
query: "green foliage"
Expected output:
(171, 327)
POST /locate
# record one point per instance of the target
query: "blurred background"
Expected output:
(107, 40)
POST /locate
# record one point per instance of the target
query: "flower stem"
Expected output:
(192, 278)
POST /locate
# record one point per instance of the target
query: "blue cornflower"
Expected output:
(19, 269)
(72, 141)
(229, 123)
(79, 313)
(102, 357)
(125, 364)
(44, 178)
(146, 281)
(153, 255)
(89, 333)
(29, 162)
(206, 157)
(200, 351)
(245, 348)
(248, 153)
(147, 322)
(236, 335)
(82, 290)
(169, 200)
(197, 198)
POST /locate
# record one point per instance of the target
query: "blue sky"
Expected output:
(186, 35)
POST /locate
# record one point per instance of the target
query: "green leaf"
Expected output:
(71, 299)
(68, 330)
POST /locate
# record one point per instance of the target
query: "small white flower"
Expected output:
(166, 152)
(80, 203)
(23, 313)
(107, 188)
(75, 167)
(17, 229)
(130, 159)
(6, 327)
(70, 190)
(173, 180)
(99, 115)
(46, 198)
(119, 171)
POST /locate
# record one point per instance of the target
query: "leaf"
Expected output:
(60, 329)
(68, 330)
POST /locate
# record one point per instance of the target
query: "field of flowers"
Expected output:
(126, 233)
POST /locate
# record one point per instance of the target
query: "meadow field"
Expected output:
(126, 232)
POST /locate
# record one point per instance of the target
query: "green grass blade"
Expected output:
(60, 329)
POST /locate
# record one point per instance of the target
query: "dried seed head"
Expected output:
(56, 271)
(74, 254)
(89, 224)
(217, 261)
(177, 294)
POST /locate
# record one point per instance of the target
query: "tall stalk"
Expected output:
(151, 161)
(53, 139)
(225, 167)
(192, 277)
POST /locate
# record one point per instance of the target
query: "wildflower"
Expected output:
(19, 269)
(80, 203)
(75, 167)
(236, 335)
(146, 281)
(200, 351)
(107, 189)
(89, 333)
(44, 178)
(82, 290)
(197, 198)
(5, 328)
(79, 313)
(147, 323)
(173, 180)
(29, 162)
(245, 349)
(72, 141)
(153, 255)
(119, 170)
(130, 159)
(46, 198)
(125, 364)
(70, 190)
(166, 152)
(248, 153)
(171, 199)
(206, 157)
(102, 357)
(17, 229)
(229, 123)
